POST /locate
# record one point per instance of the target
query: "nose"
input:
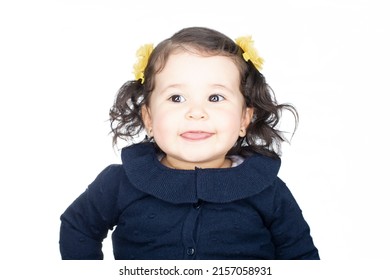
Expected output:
(196, 112)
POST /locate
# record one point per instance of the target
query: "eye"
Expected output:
(177, 98)
(216, 98)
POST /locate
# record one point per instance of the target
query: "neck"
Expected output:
(177, 164)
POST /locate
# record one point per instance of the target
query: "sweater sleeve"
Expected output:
(86, 222)
(291, 233)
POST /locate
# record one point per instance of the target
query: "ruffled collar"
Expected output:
(147, 174)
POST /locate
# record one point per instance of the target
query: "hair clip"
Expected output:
(250, 53)
(143, 54)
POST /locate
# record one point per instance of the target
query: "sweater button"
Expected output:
(197, 205)
(190, 251)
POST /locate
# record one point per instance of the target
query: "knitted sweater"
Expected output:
(243, 212)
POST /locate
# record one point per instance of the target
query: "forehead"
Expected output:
(188, 65)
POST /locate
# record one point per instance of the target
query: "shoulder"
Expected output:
(112, 186)
(111, 181)
(275, 194)
(111, 174)
(140, 150)
(278, 192)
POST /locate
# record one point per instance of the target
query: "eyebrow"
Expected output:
(226, 88)
(182, 85)
(171, 86)
(221, 86)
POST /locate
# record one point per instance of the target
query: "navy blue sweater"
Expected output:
(244, 212)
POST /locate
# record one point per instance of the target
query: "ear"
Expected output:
(147, 119)
(247, 116)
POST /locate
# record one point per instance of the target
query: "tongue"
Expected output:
(196, 135)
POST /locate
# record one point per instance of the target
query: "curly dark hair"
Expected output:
(262, 134)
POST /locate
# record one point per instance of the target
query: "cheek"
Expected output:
(230, 120)
(163, 123)
(165, 130)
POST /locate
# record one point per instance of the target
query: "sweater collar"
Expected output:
(147, 174)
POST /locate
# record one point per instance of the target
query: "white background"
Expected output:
(62, 62)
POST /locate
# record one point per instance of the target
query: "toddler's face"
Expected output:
(197, 111)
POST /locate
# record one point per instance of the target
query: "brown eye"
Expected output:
(216, 98)
(177, 98)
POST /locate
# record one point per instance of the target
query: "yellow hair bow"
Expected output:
(143, 54)
(250, 53)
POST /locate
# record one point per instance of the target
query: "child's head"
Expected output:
(200, 98)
